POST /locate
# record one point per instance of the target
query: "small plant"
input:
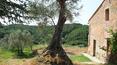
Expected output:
(113, 55)
(114, 41)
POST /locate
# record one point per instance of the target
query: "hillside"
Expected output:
(73, 34)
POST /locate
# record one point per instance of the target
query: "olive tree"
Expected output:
(46, 10)
(17, 40)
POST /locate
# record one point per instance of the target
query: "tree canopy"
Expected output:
(47, 10)
(11, 10)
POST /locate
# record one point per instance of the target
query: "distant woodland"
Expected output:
(73, 34)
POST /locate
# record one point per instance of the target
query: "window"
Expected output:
(107, 14)
(94, 47)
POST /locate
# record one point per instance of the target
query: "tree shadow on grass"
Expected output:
(25, 55)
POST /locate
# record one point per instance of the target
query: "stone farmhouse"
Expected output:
(104, 19)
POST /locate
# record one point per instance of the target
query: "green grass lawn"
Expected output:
(79, 58)
(5, 54)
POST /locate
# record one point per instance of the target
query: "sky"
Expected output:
(89, 7)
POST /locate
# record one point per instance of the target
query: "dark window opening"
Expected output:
(107, 14)
(94, 47)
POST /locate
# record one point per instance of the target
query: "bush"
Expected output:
(113, 55)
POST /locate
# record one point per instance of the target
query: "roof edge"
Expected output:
(96, 11)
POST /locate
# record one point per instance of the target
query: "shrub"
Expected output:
(113, 55)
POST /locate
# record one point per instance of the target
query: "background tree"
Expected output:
(75, 34)
(54, 53)
(17, 40)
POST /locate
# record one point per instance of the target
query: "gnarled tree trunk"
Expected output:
(54, 54)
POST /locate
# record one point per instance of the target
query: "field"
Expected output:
(74, 53)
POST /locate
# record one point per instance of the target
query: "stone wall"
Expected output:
(99, 28)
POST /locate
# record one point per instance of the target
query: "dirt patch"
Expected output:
(31, 62)
(75, 51)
